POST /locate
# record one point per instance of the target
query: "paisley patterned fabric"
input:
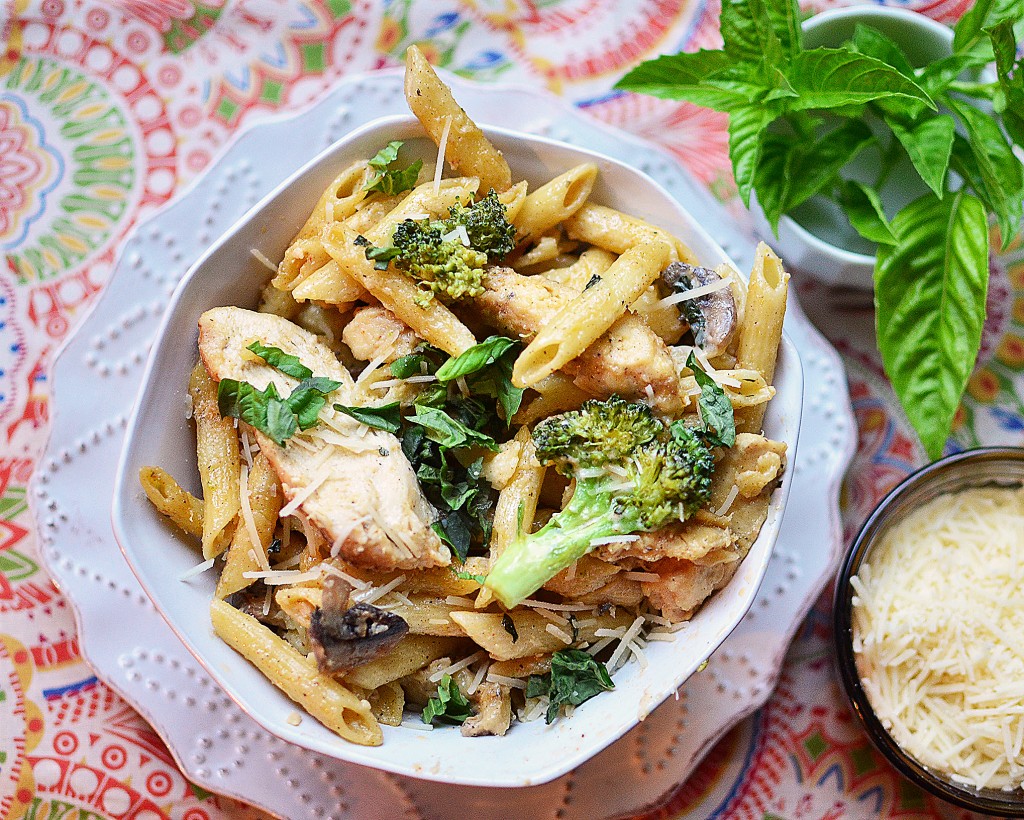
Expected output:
(107, 109)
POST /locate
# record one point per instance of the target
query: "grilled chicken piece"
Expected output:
(690, 540)
(364, 491)
(684, 586)
(627, 358)
(374, 330)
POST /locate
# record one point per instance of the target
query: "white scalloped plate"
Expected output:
(214, 742)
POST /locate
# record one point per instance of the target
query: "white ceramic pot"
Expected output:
(817, 239)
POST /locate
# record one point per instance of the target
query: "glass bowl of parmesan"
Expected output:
(929, 629)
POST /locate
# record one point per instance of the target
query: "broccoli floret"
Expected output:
(632, 475)
(435, 252)
(486, 225)
(444, 266)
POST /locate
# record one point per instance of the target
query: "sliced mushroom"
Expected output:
(344, 638)
(712, 317)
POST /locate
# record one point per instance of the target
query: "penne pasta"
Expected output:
(467, 150)
(183, 509)
(587, 317)
(555, 201)
(338, 708)
(617, 232)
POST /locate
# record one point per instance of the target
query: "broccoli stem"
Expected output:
(530, 561)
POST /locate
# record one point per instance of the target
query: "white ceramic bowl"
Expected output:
(159, 434)
(831, 250)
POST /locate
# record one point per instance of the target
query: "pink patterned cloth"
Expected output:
(107, 109)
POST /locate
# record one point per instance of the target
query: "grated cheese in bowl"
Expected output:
(929, 619)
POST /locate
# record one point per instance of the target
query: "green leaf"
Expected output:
(447, 431)
(476, 358)
(308, 399)
(928, 143)
(833, 77)
(863, 208)
(683, 76)
(716, 411)
(452, 530)
(930, 293)
(510, 627)
(968, 32)
(381, 257)
(387, 417)
(280, 360)
(575, 678)
(753, 29)
(747, 126)
(794, 170)
(462, 575)
(936, 77)
(390, 180)
(263, 410)
(872, 43)
(449, 706)
(999, 171)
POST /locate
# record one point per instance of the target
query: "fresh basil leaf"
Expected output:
(413, 364)
(935, 77)
(794, 170)
(263, 410)
(1010, 73)
(930, 293)
(863, 207)
(381, 257)
(752, 29)
(538, 685)
(982, 14)
(388, 180)
(510, 627)
(872, 43)
(306, 406)
(682, 77)
(929, 144)
(998, 169)
(447, 431)
(476, 358)
(715, 408)
(747, 126)
(575, 678)
(452, 530)
(834, 77)
(387, 417)
(449, 706)
(278, 359)
(319, 383)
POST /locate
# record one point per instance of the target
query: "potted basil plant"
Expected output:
(799, 119)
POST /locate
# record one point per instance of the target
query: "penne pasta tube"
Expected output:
(219, 463)
(335, 706)
(584, 319)
(555, 201)
(617, 232)
(397, 292)
(330, 284)
(467, 150)
(411, 654)
(758, 345)
(487, 630)
(183, 509)
(264, 499)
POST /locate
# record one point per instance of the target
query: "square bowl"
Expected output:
(159, 433)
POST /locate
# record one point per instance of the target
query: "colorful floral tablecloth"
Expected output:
(107, 109)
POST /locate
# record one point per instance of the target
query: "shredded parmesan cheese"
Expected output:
(441, 146)
(275, 577)
(693, 293)
(937, 620)
(318, 478)
(262, 258)
(727, 504)
(614, 539)
(198, 568)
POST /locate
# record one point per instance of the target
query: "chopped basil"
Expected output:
(462, 575)
(449, 706)
(510, 627)
(389, 180)
(280, 360)
(387, 417)
(575, 678)
(447, 431)
(715, 408)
